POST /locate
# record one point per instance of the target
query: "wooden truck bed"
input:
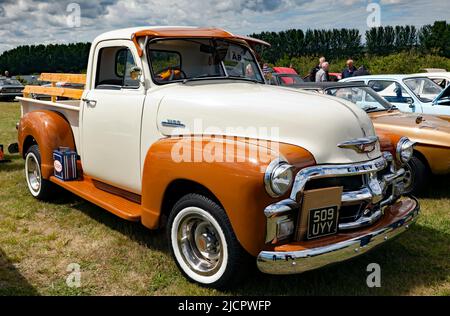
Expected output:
(70, 108)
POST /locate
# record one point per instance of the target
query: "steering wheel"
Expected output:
(171, 73)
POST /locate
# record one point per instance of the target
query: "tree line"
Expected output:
(347, 43)
(33, 59)
(334, 44)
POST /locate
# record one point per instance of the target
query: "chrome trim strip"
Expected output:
(356, 196)
(273, 262)
(362, 221)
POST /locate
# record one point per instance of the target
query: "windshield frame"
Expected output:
(223, 68)
(373, 94)
(423, 100)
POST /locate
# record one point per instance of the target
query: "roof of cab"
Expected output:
(173, 31)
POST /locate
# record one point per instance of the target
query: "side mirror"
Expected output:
(411, 103)
(136, 73)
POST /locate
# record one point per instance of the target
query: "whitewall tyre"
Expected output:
(203, 243)
(39, 188)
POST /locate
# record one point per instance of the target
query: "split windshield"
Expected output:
(185, 60)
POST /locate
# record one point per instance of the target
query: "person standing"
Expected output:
(322, 74)
(349, 71)
(7, 75)
(362, 71)
(313, 72)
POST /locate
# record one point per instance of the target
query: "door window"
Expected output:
(391, 91)
(116, 69)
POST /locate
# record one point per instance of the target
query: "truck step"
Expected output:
(117, 205)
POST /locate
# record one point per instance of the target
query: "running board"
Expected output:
(115, 204)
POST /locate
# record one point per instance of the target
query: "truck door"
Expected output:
(111, 118)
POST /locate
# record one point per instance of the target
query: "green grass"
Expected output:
(39, 240)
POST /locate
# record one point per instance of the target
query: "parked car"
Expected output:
(430, 134)
(316, 191)
(410, 93)
(334, 76)
(281, 79)
(10, 89)
(442, 79)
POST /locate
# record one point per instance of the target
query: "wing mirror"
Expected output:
(411, 103)
(136, 73)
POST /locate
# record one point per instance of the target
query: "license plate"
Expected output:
(323, 222)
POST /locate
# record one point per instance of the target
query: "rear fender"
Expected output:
(49, 130)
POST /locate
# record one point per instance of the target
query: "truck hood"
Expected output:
(424, 129)
(315, 122)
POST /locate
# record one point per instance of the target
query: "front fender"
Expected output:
(50, 130)
(237, 182)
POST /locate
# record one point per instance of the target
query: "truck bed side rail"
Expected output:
(53, 90)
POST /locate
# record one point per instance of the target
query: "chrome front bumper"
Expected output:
(291, 262)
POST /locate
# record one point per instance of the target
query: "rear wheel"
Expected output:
(203, 243)
(40, 188)
(416, 176)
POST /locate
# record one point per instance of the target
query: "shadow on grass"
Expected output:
(15, 164)
(11, 281)
(417, 259)
(437, 188)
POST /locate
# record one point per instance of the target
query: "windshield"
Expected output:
(424, 88)
(366, 98)
(9, 82)
(175, 60)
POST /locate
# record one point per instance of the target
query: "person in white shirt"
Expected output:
(322, 74)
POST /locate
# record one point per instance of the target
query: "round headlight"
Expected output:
(278, 178)
(405, 150)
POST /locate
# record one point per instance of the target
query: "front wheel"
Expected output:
(203, 243)
(416, 176)
(40, 188)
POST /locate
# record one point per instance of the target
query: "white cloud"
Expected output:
(38, 21)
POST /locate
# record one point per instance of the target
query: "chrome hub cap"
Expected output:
(33, 173)
(199, 244)
(408, 178)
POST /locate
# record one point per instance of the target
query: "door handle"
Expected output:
(90, 103)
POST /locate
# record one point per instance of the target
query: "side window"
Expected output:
(115, 67)
(391, 91)
(166, 66)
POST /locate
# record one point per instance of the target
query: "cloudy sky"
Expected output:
(38, 21)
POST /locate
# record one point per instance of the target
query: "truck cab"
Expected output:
(176, 128)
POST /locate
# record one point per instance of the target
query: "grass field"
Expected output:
(39, 240)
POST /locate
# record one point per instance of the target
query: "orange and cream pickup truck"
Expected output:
(175, 128)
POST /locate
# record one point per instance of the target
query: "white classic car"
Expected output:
(410, 93)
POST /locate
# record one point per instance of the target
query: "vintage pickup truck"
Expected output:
(177, 128)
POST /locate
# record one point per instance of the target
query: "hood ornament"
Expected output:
(361, 145)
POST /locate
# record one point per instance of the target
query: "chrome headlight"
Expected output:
(278, 178)
(405, 150)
